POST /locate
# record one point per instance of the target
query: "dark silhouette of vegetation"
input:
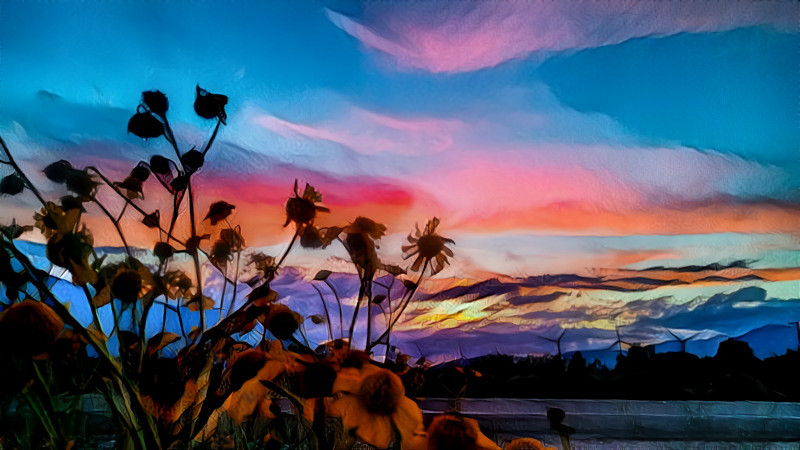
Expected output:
(734, 373)
(199, 385)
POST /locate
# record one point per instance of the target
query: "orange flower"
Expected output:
(28, 328)
(371, 403)
(455, 431)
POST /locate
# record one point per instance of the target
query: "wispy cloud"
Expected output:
(460, 36)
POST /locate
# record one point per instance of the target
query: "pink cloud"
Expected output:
(466, 36)
(370, 133)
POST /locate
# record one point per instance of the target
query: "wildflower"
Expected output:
(302, 210)
(156, 102)
(281, 321)
(192, 160)
(145, 125)
(233, 238)
(71, 251)
(53, 220)
(266, 266)
(360, 244)
(31, 326)
(141, 172)
(371, 403)
(265, 363)
(209, 106)
(165, 395)
(14, 231)
(160, 165)
(163, 251)
(11, 184)
(219, 211)
(177, 284)
(429, 247)
(127, 281)
(220, 254)
(451, 431)
(314, 237)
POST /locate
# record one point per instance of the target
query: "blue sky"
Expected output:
(547, 137)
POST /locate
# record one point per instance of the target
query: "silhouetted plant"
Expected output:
(176, 387)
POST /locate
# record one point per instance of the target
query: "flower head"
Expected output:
(371, 403)
(31, 325)
(428, 247)
(456, 431)
(303, 209)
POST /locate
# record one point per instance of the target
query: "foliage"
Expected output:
(204, 386)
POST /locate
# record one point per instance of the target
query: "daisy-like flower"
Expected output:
(28, 328)
(371, 403)
(428, 247)
(253, 398)
(303, 209)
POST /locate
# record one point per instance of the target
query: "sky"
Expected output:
(587, 138)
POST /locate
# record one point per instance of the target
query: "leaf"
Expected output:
(322, 275)
(160, 341)
(317, 319)
(378, 299)
(410, 285)
(141, 172)
(152, 220)
(194, 333)
(102, 298)
(392, 269)
(194, 304)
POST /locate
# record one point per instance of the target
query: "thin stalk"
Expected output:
(122, 212)
(338, 302)
(213, 136)
(116, 225)
(286, 253)
(196, 260)
(388, 316)
(325, 307)
(22, 174)
(355, 312)
(176, 311)
(222, 297)
(235, 283)
(143, 212)
(95, 316)
(403, 305)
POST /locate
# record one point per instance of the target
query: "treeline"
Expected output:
(734, 373)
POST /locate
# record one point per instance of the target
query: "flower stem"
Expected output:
(338, 302)
(403, 305)
(21, 173)
(325, 307)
